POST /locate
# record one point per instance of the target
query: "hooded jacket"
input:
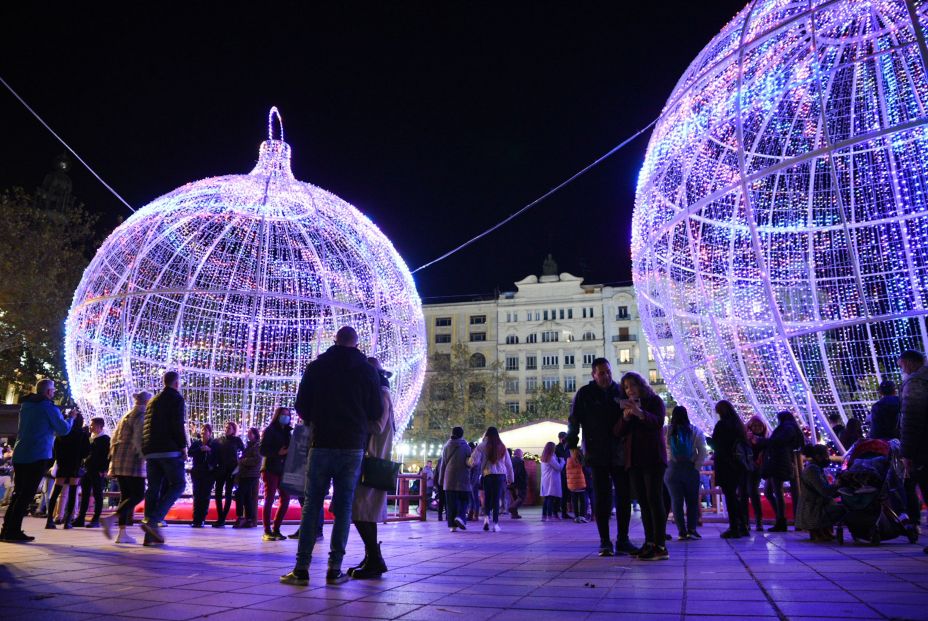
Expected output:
(339, 395)
(915, 416)
(40, 421)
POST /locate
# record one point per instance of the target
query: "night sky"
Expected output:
(435, 119)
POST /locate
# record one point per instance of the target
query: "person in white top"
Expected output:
(492, 458)
(551, 490)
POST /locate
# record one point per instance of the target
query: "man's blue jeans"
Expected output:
(166, 482)
(341, 468)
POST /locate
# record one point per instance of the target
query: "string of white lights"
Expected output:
(65, 144)
(547, 194)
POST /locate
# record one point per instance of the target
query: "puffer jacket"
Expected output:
(576, 481)
(165, 430)
(915, 416)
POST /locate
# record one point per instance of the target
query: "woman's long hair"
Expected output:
(643, 386)
(548, 452)
(729, 416)
(679, 420)
(757, 418)
(280, 411)
(496, 450)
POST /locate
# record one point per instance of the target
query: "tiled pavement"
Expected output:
(531, 570)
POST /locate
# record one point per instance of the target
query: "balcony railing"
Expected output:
(623, 338)
(625, 317)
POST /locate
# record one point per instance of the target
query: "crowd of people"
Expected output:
(630, 453)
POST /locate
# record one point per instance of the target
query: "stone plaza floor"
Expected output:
(530, 570)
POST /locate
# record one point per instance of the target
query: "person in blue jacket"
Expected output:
(40, 421)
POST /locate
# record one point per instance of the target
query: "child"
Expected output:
(551, 466)
(576, 484)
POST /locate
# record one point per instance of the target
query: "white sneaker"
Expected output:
(453, 529)
(124, 537)
(496, 528)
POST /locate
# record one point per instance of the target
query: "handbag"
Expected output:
(379, 473)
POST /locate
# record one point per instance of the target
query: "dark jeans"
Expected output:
(456, 504)
(166, 482)
(612, 485)
(493, 485)
(551, 506)
(202, 492)
(579, 501)
(131, 493)
(26, 479)
(773, 490)
(224, 481)
(564, 500)
(735, 489)
(247, 495)
(649, 484)
(91, 482)
(516, 499)
(341, 468)
(754, 495)
(682, 480)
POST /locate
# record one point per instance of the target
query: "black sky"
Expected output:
(436, 119)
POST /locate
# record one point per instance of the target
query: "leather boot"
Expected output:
(360, 565)
(373, 568)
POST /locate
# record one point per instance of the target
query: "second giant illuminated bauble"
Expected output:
(780, 234)
(238, 282)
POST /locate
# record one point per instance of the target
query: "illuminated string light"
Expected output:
(780, 233)
(238, 282)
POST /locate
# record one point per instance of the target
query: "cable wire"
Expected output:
(66, 145)
(547, 194)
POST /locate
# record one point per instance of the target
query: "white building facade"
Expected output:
(545, 333)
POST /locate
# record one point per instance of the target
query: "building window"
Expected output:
(442, 362)
(570, 384)
(512, 339)
(512, 363)
(478, 320)
(549, 336)
(531, 407)
(652, 377)
(588, 360)
(513, 406)
(621, 313)
(440, 392)
(589, 336)
(650, 354)
(512, 386)
(549, 362)
(531, 338)
(591, 312)
(531, 362)
(625, 356)
(546, 315)
(477, 337)
(537, 315)
(442, 322)
(478, 361)
(561, 313)
(570, 313)
(531, 384)
(442, 338)
(584, 312)
(568, 361)
(550, 382)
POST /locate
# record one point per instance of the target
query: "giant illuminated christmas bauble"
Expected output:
(780, 233)
(238, 282)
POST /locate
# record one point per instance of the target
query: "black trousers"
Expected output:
(224, 482)
(131, 493)
(773, 490)
(918, 478)
(649, 484)
(91, 482)
(247, 496)
(26, 479)
(202, 491)
(565, 495)
(612, 487)
(735, 489)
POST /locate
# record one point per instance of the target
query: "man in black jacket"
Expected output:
(164, 444)
(596, 410)
(95, 466)
(339, 396)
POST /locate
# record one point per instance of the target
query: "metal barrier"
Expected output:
(399, 511)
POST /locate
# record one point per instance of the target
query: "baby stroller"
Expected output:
(872, 494)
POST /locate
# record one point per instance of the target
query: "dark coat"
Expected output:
(728, 471)
(644, 438)
(914, 397)
(249, 464)
(779, 449)
(227, 454)
(340, 396)
(204, 462)
(454, 473)
(70, 450)
(596, 412)
(884, 418)
(98, 457)
(165, 428)
(274, 438)
(519, 475)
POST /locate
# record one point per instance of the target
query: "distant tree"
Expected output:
(550, 404)
(461, 389)
(43, 253)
